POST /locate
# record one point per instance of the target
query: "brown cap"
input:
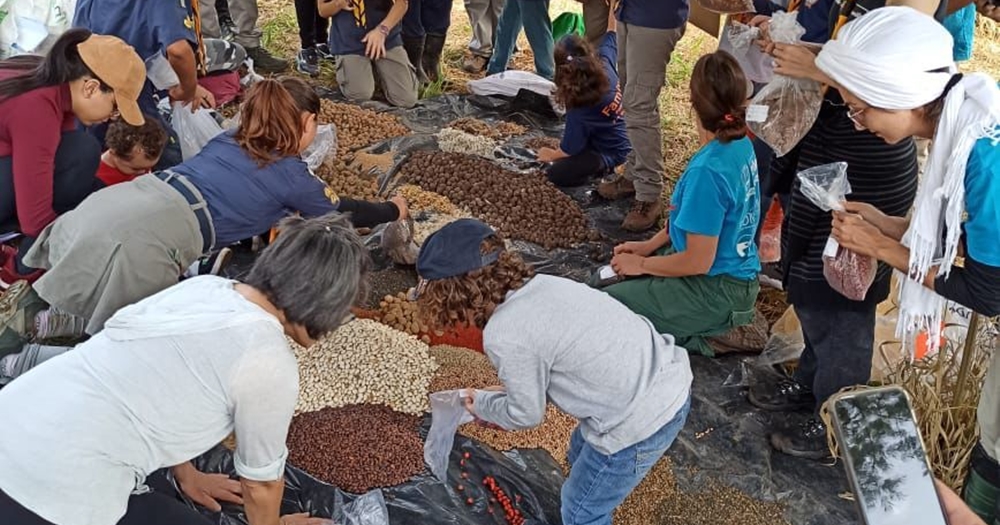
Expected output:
(116, 64)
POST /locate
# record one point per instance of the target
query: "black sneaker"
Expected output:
(307, 62)
(807, 440)
(265, 62)
(783, 395)
(324, 52)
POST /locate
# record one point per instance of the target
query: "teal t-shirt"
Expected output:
(719, 196)
(982, 203)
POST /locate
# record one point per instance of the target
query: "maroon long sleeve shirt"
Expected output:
(31, 125)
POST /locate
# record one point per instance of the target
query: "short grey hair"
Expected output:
(314, 271)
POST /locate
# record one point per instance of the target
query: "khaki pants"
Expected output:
(989, 409)
(642, 66)
(484, 15)
(356, 77)
(595, 19)
(244, 13)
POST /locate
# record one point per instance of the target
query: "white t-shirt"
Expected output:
(169, 378)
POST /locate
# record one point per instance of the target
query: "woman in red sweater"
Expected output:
(47, 165)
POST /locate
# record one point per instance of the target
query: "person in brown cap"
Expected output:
(48, 165)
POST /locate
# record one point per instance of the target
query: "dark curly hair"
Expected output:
(719, 95)
(580, 78)
(122, 138)
(471, 299)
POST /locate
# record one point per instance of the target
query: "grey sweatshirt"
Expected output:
(562, 341)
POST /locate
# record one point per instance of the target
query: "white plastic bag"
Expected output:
(847, 272)
(447, 414)
(368, 509)
(322, 147)
(194, 130)
(784, 110)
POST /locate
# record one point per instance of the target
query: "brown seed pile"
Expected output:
(462, 368)
(526, 207)
(791, 114)
(640, 507)
(399, 312)
(358, 447)
(501, 131)
(365, 361)
(369, 162)
(420, 200)
(537, 143)
(358, 127)
(347, 181)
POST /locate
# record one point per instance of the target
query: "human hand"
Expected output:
(469, 401)
(763, 41)
(854, 233)
(547, 155)
(626, 264)
(641, 248)
(958, 512)
(374, 44)
(988, 9)
(404, 209)
(796, 61)
(303, 518)
(208, 490)
(866, 211)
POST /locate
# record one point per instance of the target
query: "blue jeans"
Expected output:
(533, 16)
(598, 483)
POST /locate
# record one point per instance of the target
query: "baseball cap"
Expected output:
(455, 250)
(117, 65)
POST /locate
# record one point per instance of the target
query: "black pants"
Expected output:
(577, 170)
(76, 162)
(159, 507)
(839, 346)
(312, 27)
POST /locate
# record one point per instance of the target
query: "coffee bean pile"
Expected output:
(347, 181)
(357, 448)
(419, 200)
(457, 141)
(365, 361)
(519, 206)
(537, 143)
(501, 131)
(461, 368)
(358, 127)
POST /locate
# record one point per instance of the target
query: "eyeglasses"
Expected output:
(856, 116)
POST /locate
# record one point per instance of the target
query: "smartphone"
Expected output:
(885, 459)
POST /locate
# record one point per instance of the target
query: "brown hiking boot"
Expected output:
(475, 64)
(643, 216)
(617, 188)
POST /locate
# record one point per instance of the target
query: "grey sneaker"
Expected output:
(265, 62)
(307, 62)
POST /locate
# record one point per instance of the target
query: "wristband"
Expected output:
(383, 29)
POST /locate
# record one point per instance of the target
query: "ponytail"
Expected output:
(61, 65)
(271, 118)
(718, 94)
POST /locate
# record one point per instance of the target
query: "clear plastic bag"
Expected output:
(847, 272)
(397, 242)
(447, 414)
(194, 130)
(369, 509)
(324, 145)
(785, 109)
(727, 7)
(770, 234)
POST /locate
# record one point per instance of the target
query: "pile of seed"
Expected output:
(399, 312)
(462, 368)
(357, 448)
(420, 200)
(424, 228)
(526, 207)
(457, 141)
(347, 180)
(365, 361)
(370, 162)
(389, 281)
(501, 131)
(641, 505)
(537, 143)
(358, 127)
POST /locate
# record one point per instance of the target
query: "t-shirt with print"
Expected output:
(149, 27)
(351, 25)
(719, 196)
(982, 203)
(246, 199)
(600, 127)
(654, 14)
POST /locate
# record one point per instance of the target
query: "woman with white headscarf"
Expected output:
(894, 68)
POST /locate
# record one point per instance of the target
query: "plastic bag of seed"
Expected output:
(785, 109)
(848, 273)
(447, 414)
(727, 7)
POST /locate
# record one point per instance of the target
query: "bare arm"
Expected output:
(395, 14)
(328, 8)
(697, 259)
(182, 59)
(262, 501)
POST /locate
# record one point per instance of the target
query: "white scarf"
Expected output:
(887, 58)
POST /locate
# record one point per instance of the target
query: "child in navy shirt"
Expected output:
(594, 142)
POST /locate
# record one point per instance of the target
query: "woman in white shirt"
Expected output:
(169, 378)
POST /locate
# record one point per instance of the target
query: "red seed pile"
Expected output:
(357, 447)
(519, 206)
(510, 511)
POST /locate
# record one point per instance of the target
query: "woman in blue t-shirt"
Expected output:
(595, 141)
(132, 240)
(697, 277)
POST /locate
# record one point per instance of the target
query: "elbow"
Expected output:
(525, 421)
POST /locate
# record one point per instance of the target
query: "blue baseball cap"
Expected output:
(455, 250)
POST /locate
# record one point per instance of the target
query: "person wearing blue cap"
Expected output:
(553, 339)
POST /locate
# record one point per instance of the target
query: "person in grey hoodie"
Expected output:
(87, 432)
(552, 339)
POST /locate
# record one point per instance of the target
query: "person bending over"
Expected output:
(216, 349)
(365, 39)
(132, 150)
(594, 142)
(697, 277)
(132, 240)
(552, 339)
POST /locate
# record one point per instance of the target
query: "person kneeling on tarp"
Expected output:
(552, 339)
(168, 379)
